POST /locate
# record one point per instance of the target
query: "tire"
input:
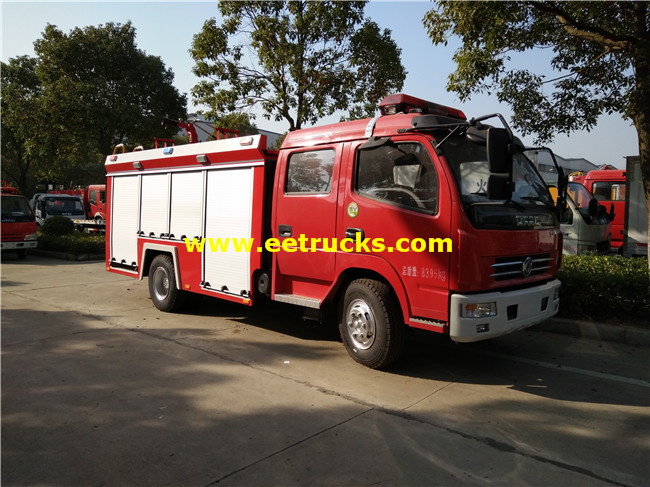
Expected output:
(162, 285)
(371, 325)
(22, 254)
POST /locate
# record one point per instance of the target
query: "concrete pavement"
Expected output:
(99, 388)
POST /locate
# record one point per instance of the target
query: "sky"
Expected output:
(166, 29)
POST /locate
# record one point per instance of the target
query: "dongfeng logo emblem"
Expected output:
(527, 266)
(527, 220)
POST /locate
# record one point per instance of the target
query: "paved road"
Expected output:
(101, 389)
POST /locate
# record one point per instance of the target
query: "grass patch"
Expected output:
(58, 234)
(76, 243)
(605, 288)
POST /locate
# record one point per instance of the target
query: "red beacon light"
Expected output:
(400, 103)
(6, 189)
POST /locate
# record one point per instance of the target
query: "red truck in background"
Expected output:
(93, 200)
(93, 197)
(415, 218)
(18, 232)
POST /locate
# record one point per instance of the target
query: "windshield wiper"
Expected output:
(519, 206)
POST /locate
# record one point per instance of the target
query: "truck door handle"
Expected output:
(352, 233)
(284, 230)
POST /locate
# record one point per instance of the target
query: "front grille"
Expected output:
(514, 268)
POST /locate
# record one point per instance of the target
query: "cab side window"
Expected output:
(609, 191)
(402, 174)
(310, 172)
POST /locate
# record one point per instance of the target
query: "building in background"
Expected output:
(545, 166)
(204, 128)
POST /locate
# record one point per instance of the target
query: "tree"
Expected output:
(601, 53)
(299, 60)
(21, 122)
(237, 121)
(88, 91)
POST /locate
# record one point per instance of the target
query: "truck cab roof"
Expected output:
(399, 113)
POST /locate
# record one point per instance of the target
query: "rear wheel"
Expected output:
(371, 326)
(162, 285)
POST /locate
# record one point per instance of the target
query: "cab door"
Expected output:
(398, 198)
(304, 221)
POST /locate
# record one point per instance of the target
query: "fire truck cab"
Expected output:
(415, 218)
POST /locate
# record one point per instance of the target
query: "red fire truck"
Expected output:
(415, 218)
(93, 198)
(18, 222)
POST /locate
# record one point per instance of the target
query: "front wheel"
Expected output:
(162, 285)
(371, 326)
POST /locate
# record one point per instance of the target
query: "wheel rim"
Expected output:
(161, 284)
(361, 325)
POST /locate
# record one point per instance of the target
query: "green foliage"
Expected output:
(605, 287)
(82, 94)
(598, 48)
(278, 143)
(600, 63)
(58, 225)
(76, 243)
(22, 125)
(237, 121)
(298, 60)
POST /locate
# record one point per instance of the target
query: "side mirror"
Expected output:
(498, 150)
(611, 213)
(499, 187)
(593, 207)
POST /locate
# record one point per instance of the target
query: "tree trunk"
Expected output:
(641, 103)
(643, 130)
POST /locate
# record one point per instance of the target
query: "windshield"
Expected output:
(579, 195)
(63, 206)
(16, 209)
(398, 173)
(531, 204)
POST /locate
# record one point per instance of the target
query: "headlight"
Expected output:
(478, 310)
(30, 236)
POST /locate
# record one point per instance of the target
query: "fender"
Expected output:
(352, 261)
(160, 248)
